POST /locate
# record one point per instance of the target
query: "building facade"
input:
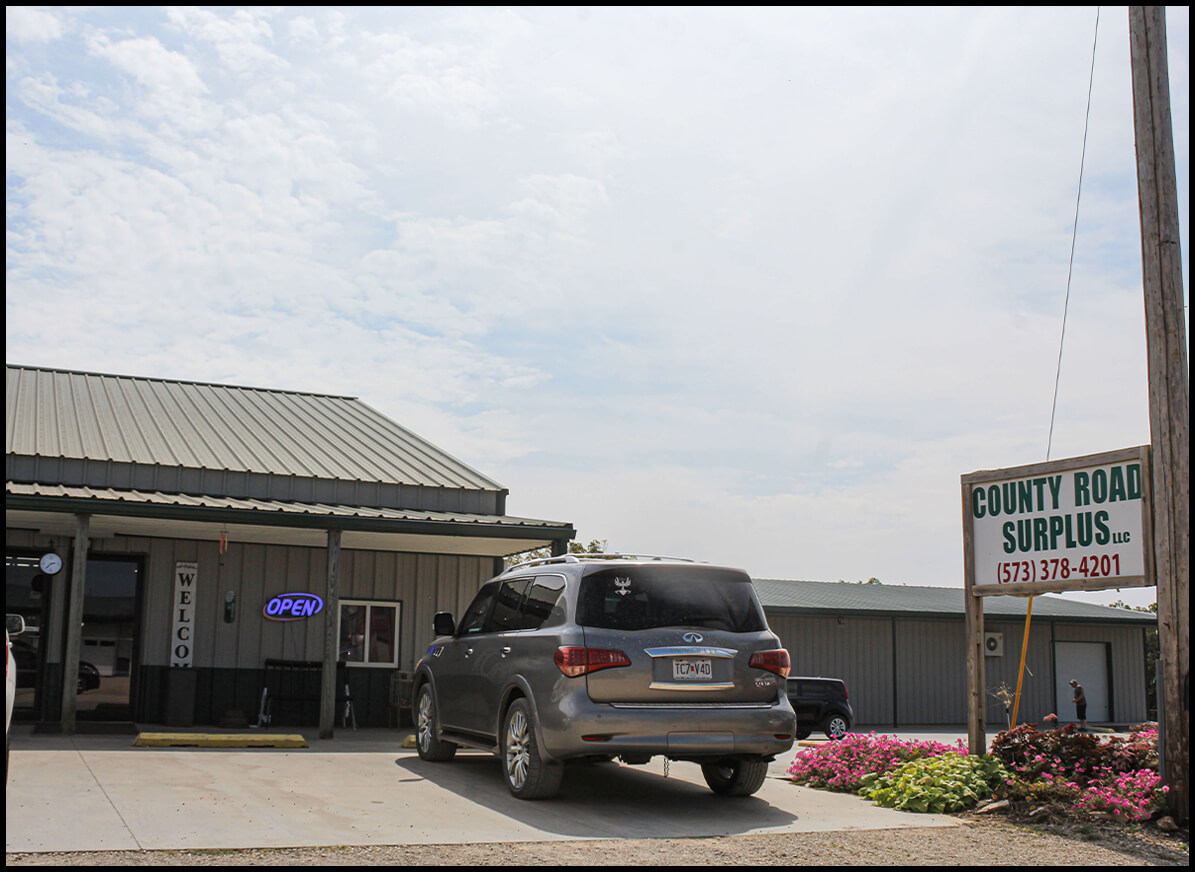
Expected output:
(166, 539)
(901, 652)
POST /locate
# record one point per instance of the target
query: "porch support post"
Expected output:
(327, 708)
(74, 623)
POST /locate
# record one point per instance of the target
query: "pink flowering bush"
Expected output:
(843, 765)
(1128, 796)
(1115, 776)
(1073, 754)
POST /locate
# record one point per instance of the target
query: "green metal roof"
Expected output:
(119, 427)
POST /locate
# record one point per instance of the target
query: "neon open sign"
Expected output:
(292, 607)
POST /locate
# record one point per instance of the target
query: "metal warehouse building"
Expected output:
(156, 528)
(160, 531)
(900, 651)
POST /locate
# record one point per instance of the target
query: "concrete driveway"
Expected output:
(90, 793)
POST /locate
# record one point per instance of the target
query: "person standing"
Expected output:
(1080, 701)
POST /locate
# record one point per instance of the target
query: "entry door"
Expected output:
(108, 653)
(1087, 663)
(27, 593)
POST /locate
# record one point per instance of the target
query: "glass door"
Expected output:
(107, 655)
(27, 593)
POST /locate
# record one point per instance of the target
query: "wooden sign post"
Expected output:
(1084, 523)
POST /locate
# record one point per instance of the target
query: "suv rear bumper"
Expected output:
(578, 727)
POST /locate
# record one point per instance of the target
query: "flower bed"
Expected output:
(1116, 777)
(843, 765)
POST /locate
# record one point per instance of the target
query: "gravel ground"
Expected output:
(979, 841)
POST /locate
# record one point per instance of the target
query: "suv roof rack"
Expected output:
(584, 558)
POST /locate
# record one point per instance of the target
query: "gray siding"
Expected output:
(1037, 695)
(247, 485)
(1127, 678)
(859, 651)
(931, 671)
(907, 671)
(423, 583)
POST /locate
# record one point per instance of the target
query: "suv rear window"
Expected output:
(643, 597)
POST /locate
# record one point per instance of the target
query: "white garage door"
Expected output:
(1087, 663)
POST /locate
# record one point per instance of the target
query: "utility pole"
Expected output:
(1169, 387)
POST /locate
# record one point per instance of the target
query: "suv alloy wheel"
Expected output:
(430, 747)
(528, 774)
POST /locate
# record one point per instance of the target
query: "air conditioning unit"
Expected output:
(993, 644)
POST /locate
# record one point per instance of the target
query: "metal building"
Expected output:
(154, 530)
(901, 651)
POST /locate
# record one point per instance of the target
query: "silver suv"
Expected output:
(598, 657)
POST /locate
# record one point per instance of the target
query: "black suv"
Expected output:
(598, 658)
(821, 703)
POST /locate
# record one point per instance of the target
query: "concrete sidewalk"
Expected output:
(90, 793)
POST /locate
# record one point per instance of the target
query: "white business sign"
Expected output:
(1072, 524)
(183, 624)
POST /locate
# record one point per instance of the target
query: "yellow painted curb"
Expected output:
(220, 740)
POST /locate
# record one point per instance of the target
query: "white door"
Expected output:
(1086, 663)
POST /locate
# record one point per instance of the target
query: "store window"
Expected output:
(369, 632)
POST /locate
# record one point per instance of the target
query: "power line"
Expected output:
(1074, 234)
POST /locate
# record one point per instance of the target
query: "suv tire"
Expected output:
(527, 773)
(741, 777)
(836, 726)
(427, 728)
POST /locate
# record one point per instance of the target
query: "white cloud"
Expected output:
(237, 36)
(752, 285)
(31, 24)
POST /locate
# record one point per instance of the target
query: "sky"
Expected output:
(750, 286)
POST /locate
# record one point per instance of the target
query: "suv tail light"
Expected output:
(774, 661)
(575, 661)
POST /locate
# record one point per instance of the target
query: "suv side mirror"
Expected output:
(443, 624)
(14, 624)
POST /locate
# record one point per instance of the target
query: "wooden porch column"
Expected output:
(327, 706)
(74, 623)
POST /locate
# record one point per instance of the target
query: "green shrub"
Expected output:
(946, 783)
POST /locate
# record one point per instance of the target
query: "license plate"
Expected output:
(692, 669)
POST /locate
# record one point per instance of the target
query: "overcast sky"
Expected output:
(749, 286)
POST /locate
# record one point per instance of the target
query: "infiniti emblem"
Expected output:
(692, 637)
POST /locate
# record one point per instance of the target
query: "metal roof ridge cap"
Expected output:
(176, 381)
